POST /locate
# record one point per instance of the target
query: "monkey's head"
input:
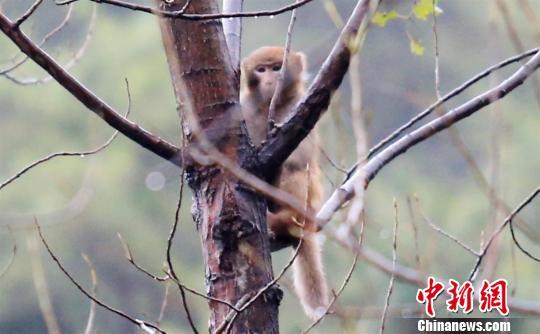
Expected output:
(261, 71)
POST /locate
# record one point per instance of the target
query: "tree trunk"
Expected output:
(230, 217)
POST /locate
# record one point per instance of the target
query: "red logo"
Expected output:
(460, 296)
(492, 296)
(429, 294)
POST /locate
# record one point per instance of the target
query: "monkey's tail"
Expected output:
(309, 280)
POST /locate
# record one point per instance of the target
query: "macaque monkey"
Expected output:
(300, 173)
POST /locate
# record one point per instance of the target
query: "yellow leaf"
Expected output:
(424, 8)
(381, 18)
(416, 47)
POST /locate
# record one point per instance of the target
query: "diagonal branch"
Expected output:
(133, 131)
(375, 164)
(284, 140)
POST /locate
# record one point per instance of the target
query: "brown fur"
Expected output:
(260, 72)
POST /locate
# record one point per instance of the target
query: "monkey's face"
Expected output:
(266, 77)
(261, 72)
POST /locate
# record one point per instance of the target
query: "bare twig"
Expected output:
(284, 140)
(443, 232)
(394, 260)
(129, 257)
(367, 172)
(74, 60)
(164, 303)
(68, 154)
(194, 17)
(88, 98)
(27, 14)
(49, 35)
(279, 85)
(412, 217)
(41, 286)
(140, 323)
(331, 161)
(518, 244)
(455, 92)
(507, 221)
(171, 272)
(89, 329)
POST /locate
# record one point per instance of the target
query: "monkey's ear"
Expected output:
(298, 63)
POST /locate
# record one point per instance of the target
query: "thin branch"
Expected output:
(284, 140)
(41, 286)
(384, 142)
(441, 231)
(332, 163)
(140, 323)
(518, 244)
(164, 303)
(281, 79)
(202, 295)
(89, 329)
(171, 272)
(27, 14)
(87, 97)
(129, 257)
(377, 260)
(507, 221)
(68, 154)
(367, 172)
(74, 60)
(49, 35)
(392, 277)
(413, 276)
(415, 233)
(181, 14)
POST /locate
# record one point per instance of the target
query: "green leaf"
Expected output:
(416, 47)
(424, 8)
(381, 18)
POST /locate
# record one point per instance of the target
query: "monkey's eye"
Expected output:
(260, 69)
(276, 68)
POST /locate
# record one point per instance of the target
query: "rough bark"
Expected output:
(230, 217)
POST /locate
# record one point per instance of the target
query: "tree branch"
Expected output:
(192, 16)
(374, 165)
(88, 98)
(284, 140)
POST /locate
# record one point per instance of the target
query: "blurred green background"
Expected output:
(83, 202)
